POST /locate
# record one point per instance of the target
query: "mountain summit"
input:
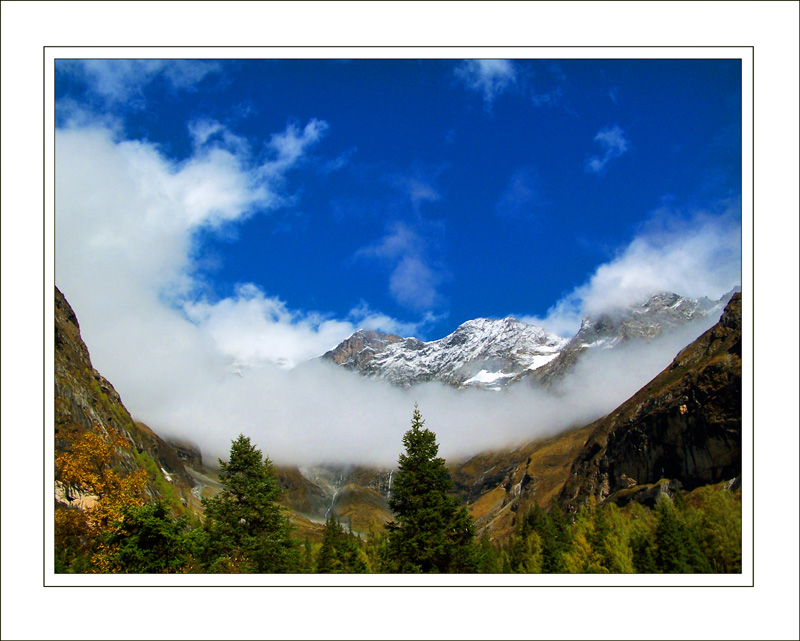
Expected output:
(481, 353)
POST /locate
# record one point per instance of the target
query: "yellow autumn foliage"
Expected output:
(87, 470)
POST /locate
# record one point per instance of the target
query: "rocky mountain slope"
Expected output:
(356, 496)
(685, 425)
(85, 400)
(491, 354)
(683, 429)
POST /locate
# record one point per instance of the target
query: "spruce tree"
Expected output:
(431, 531)
(248, 530)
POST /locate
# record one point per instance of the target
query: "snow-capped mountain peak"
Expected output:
(480, 353)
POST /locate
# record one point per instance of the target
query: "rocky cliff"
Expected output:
(685, 426)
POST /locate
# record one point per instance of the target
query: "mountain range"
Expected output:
(682, 429)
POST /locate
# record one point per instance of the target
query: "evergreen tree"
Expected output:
(328, 561)
(583, 555)
(341, 551)
(148, 540)
(718, 530)
(307, 562)
(554, 533)
(431, 531)
(488, 557)
(612, 539)
(676, 550)
(248, 530)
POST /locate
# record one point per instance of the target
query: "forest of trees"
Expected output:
(245, 529)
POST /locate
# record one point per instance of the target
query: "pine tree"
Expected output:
(248, 530)
(147, 540)
(431, 531)
(329, 561)
(341, 552)
(676, 550)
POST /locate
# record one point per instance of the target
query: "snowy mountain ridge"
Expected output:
(491, 354)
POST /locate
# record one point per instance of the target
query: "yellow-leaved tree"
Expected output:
(98, 496)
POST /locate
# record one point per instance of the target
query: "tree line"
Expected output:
(245, 529)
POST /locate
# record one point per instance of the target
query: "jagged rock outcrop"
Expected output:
(358, 350)
(85, 400)
(685, 425)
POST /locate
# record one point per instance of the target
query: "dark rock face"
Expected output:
(85, 400)
(686, 424)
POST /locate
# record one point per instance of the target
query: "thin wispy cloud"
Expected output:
(549, 88)
(490, 78)
(414, 280)
(614, 144)
(290, 145)
(122, 82)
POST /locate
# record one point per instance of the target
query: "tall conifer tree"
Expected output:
(248, 530)
(431, 531)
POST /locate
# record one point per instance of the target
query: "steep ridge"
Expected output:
(85, 400)
(685, 425)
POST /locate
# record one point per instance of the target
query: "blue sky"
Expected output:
(413, 195)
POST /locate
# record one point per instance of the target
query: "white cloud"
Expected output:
(413, 281)
(290, 145)
(614, 144)
(365, 318)
(698, 255)
(122, 82)
(251, 328)
(125, 220)
(487, 77)
(319, 412)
